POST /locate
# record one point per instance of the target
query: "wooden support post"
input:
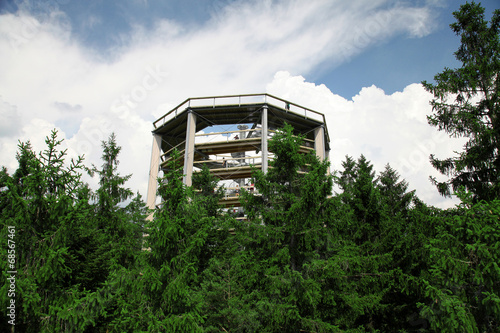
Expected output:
(328, 159)
(319, 142)
(189, 150)
(153, 171)
(265, 160)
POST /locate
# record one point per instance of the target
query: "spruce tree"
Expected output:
(120, 225)
(286, 232)
(41, 201)
(177, 238)
(368, 275)
(393, 192)
(68, 239)
(461, 286)
(467, 104)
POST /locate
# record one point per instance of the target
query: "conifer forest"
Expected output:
(367, 257)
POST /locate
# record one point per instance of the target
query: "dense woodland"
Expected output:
(371, 258)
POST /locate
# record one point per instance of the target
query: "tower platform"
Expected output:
(229, 134)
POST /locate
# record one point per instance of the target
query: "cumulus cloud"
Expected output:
(50, 80)
(10, 119)
(34, 131)
(66, 107)
(385, 128)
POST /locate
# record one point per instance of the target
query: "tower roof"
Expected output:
(238, 109)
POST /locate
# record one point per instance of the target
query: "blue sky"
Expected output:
(91, 67)
(391, 64)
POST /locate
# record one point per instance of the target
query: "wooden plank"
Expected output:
(228, 132)
(234, 172)
(153, 173)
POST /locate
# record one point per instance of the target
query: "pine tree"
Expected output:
(373, 253)
(286, 232)
(461, 286)
(348, 175)
(65, 244)
(467, 104)
(120, 225)
(177, 237)
(111, 190)
(361, 193)
(230, 284)
(393, 192)
(41, 201)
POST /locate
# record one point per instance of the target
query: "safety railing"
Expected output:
(239, 100)
(252, 133)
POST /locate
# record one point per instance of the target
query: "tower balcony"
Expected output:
(229, 135)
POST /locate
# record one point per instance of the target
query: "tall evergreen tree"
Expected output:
(229, 285)
(286, 231)
(162, 292)
(348, 175)
(467, 104)
(111, 190)
(393, 192)
(41, 202)
(461, 286)
(373, 252)
(65, 244)
(291, 201)
(356, 270)
(177, 238)
(121, 225)
(361, 194)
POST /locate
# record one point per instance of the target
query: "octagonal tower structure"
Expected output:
(229, 134)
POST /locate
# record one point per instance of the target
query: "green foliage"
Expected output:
(373, 258)
(292, 202)
(467, 104)
(359, 272)
(177, 248)
(361, 195)
(38, 200)
(229, 285)
(63, 252)
(462, 286)
(287, 230)
(111, 191)
(120, 226)
(394, 193)
(205, 184)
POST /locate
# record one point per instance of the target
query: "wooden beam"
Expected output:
(319, 142)
(264, 140)
(153, 172)
(189, 155)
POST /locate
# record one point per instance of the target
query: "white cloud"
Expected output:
(44, 73)
(34, 130)
(10, 119)
(92, 21)
(385, 128)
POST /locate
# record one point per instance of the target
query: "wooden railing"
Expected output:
(246, 99)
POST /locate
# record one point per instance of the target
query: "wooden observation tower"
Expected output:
(229, 134)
